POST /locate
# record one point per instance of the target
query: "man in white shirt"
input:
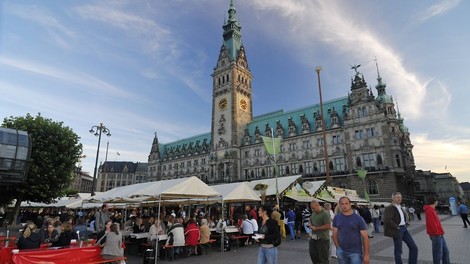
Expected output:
(395, 222)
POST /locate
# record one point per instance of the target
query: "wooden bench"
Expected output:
(206, 245)
(237, 239)
(170, 248)
(100, 259)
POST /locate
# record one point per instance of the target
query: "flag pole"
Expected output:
(325, 146)
(275, 167)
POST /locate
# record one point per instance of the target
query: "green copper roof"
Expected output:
(283, 117)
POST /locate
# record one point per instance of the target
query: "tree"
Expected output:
(55, 151)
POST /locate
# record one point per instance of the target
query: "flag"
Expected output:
(273, 146)
(118, 154)
(361, 173)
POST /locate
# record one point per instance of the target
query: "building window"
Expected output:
(336, 139)
(294, 168)
(397, 158)
(372, 187)
(291, 146)
(339, 164)
(362, 111)
(247, 154)
(196, 162)
(319, 142)
(371, 132)
(282, 170)
(309, 167)
(257, 153)
(369, 160)
(359, 134)
(203, 161)
(306, 144)
(270, 172)
(164, 168)
(322, 166)
(188, 163)
(258, 172)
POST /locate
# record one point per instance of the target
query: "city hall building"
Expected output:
(363, 131)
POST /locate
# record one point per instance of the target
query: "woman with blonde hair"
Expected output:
(29, 239)
(65, 236)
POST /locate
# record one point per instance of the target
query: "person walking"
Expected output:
(395, 222)
(350, 235)
(463, 211)
(306, 219)
(440, 252)
(327, 207)
(269, 237)
(101, 217)
(376, 218)
(290, 216)
(320, 224)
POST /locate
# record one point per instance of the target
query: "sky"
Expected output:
(143, 67)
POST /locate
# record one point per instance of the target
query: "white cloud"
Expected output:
(437, 154)
(44, 18)
(438, 9)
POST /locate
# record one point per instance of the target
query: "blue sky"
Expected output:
(142, 67)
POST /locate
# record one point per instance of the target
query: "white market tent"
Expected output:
(237, 192)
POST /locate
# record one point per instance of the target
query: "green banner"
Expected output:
(273, 146)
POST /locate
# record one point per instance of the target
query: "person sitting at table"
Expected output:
(49, 234)
(102, 234)
(138, 226)
(30, 238)
(81, 229)
(192, 235)
(65, 236)
(205, 232)
(176, 234)
(210, 221)
(113, 245)
(150, 221)
(247, 229)
(158, 228)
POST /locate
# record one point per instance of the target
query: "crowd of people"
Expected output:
(341, 230)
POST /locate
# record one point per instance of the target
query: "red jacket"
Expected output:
(192, 234)
(433, 223)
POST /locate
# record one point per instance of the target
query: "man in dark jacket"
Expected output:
(395, 222)
(436, 233)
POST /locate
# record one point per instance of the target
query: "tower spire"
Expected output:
(232, 33)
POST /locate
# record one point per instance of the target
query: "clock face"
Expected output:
(223, 104)
(243, 104)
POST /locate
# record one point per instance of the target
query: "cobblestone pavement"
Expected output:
(457, 239)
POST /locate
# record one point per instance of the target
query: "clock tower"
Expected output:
(231, 98)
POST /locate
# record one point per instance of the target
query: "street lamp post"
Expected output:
(97, 130)
(325, 146)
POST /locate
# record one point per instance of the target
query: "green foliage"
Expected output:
(55, 151)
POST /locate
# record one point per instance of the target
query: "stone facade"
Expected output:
(114, 174)
(363, 131)
(440, 185)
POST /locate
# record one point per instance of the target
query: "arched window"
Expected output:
(379, 159)
(228, 78)
(358, 162)
(219, 80)
(372, 187)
